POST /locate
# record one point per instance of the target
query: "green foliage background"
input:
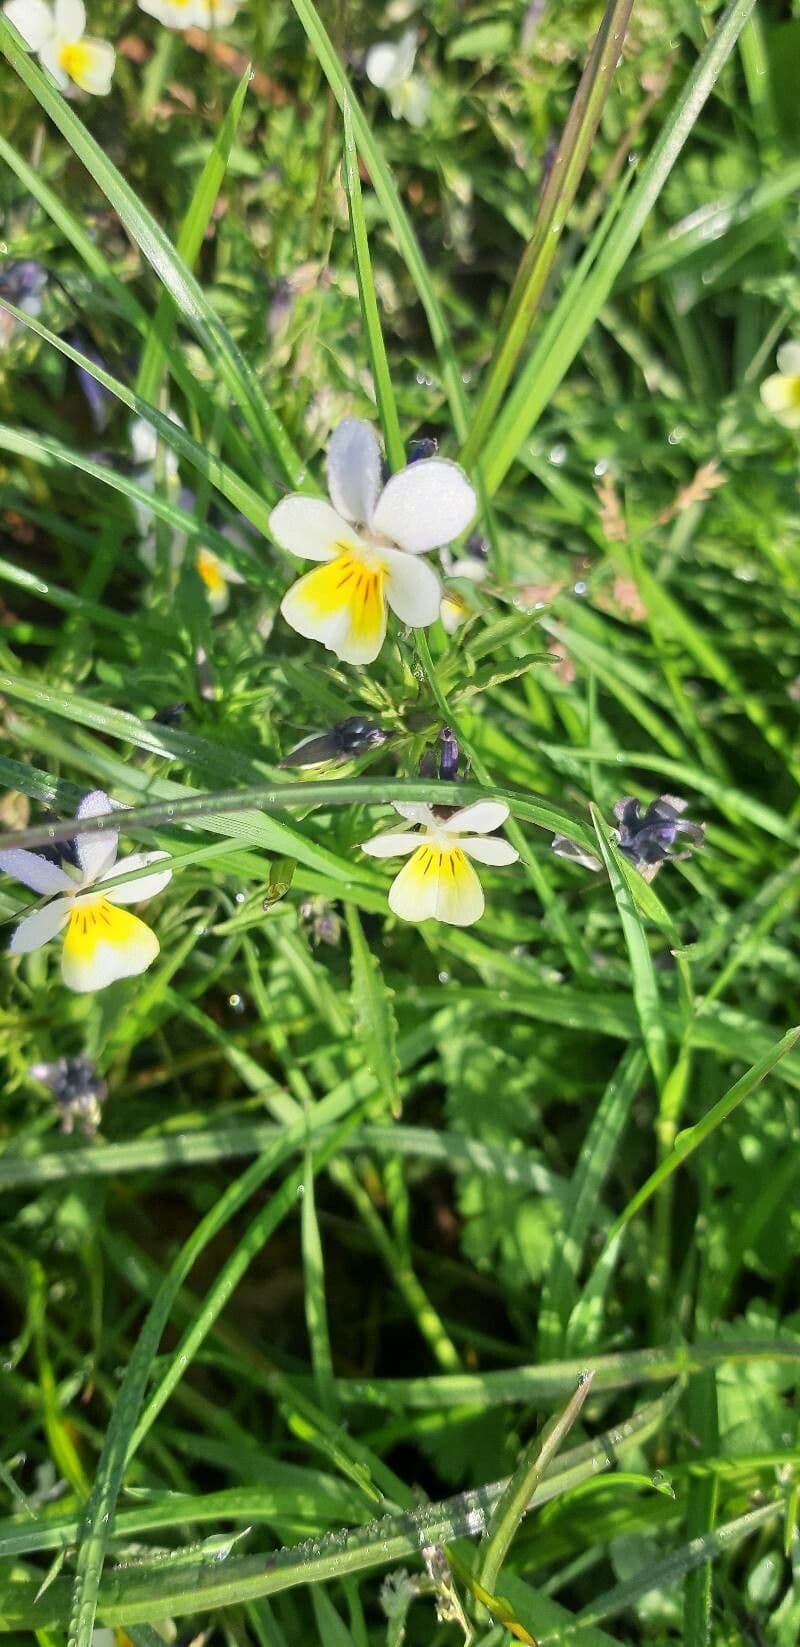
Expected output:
(362, 1212)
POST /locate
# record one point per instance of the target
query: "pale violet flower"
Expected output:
(58, 35)
(781, 392)
(371, 538)
(102, 941)
(439, 883)
(390, 67)
(174, 14)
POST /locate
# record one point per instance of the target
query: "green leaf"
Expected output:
(374, 1013)
(381, 375)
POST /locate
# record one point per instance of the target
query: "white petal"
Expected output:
(34, 871)
(413, 589)
(354, 469)
(50, 59)
(488, 849)
(341, 604)
(174, 14)
(469, 567)
(389, 63)
(439, 884)
(789, 359)
(452, 613)
(428, 504)
(781, 396)
(416, 812)
(104, 943)
(412, 102)
(395, 844)
(479, 819)
(310, 528)
(135, 892)
(96, 853)
(40, 926)
(70, 18)
(33, 19)
(91, 66)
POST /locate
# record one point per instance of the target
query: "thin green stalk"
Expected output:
(382, 377)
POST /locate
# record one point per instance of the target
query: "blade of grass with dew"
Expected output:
(543, 371)
(381, 375)
(155, 245)
(643, 977)
(512, 1505)
(374, 1013)
(141, 1596)
(316, 1306)
(557, 199)
(191, 235)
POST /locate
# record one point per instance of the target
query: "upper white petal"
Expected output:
(478, 819)
(488, 849)
(395, 844)
(96, 853)
(34, 871)
(33, 19)
(135, 892)
(70, 16)
(40, 926)
(413, 588)
(412, 101)
(428, 504)
(310, 528)
(789, 359)
(354, 469)
(416, 812)
(390, 62)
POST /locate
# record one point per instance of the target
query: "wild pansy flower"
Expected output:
(647, 839)
(781, 392)
(215, 573)
(102, 941)
(58, 35)
(390, 67)
(439, 883)
(371, 538)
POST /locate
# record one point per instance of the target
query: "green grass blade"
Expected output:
(190, 239)
(544, 371)
(374, 1013)
(397, 217)
(643, 975)
(559, 194)
(384, 392)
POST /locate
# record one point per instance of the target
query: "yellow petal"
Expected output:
(104, 942)
(342, 603)
(437, 884)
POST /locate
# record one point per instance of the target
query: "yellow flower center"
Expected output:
(354, 582)
(432, 859)
(75, 59)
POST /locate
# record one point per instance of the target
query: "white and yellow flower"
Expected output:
(370, 538)
(102, 941)
(174, 14)
(439, 883)
(454, 609)
(58, 35)
(781, 392)
(390, 67)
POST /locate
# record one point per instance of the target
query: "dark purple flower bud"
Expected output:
(476, 546)
(419, 450)
(79, 1092)
(340, 743)
(448, 756)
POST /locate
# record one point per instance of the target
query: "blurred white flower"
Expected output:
(215, 14)
(454, 609)
(439, 883)
(174, 14)
(781, 392)
(371, 541)
(390, 66)
(58, 35)
(103, 941)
